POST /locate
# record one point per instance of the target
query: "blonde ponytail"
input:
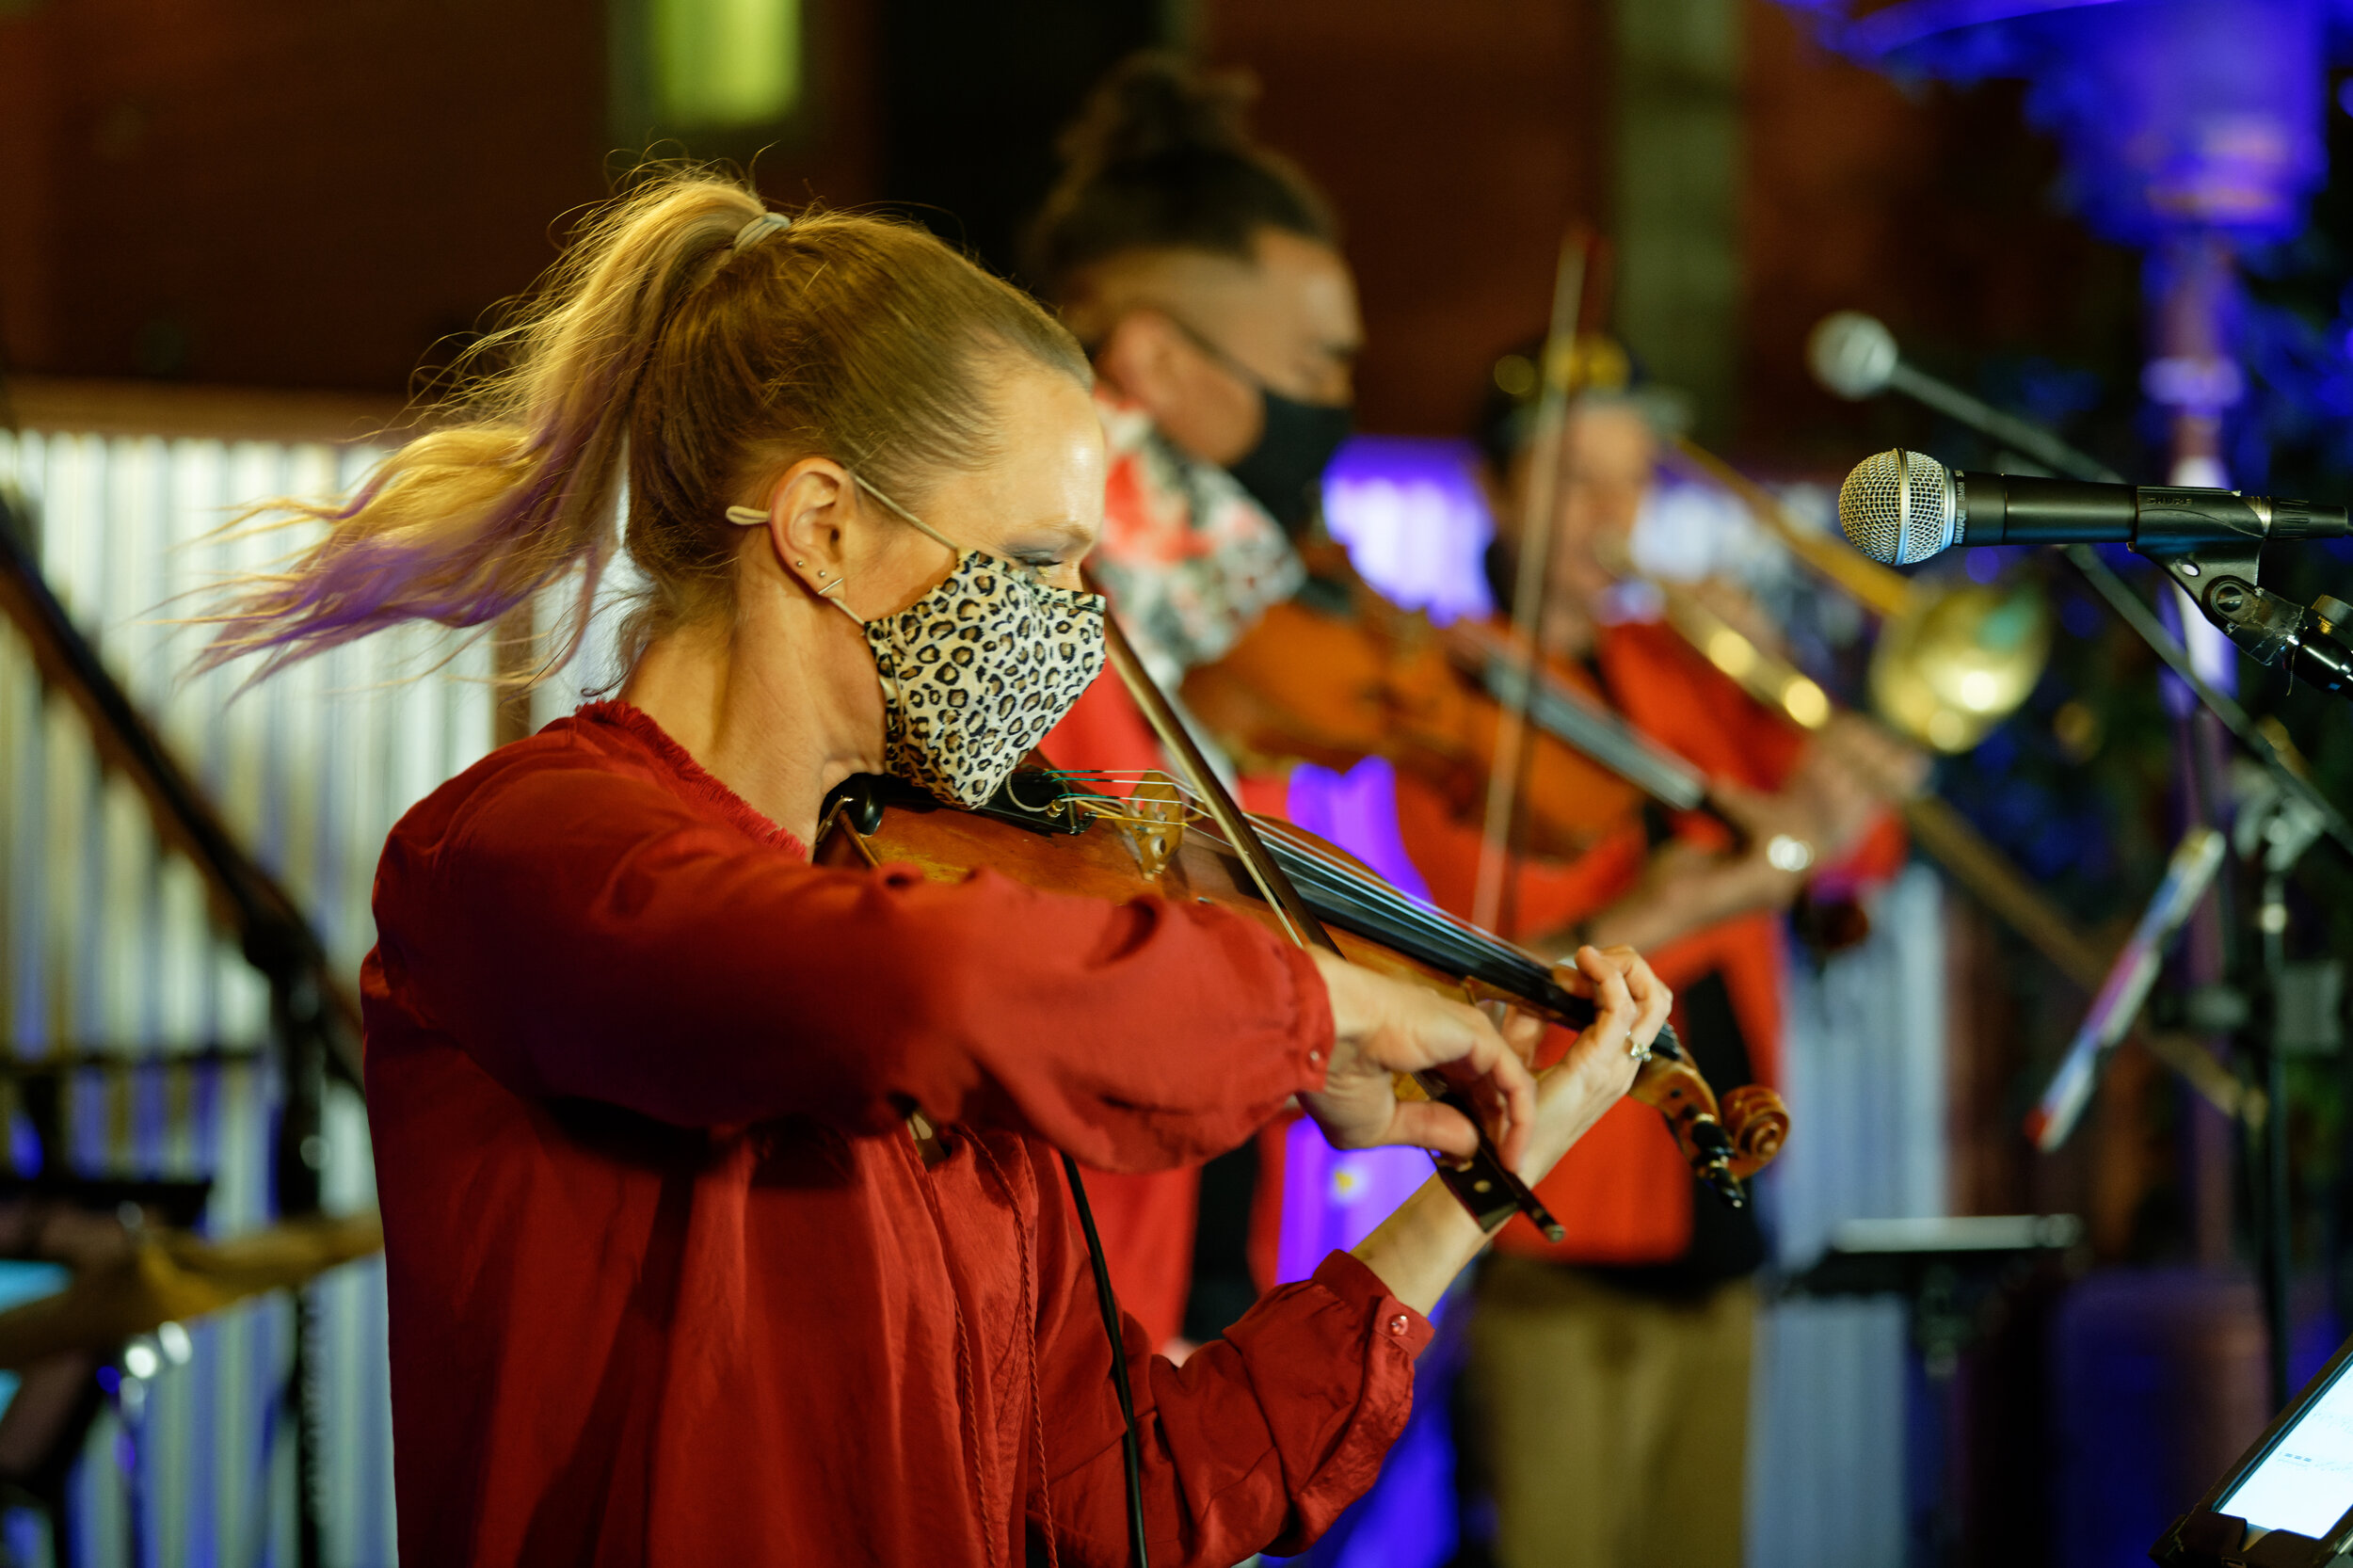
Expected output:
(654, 343)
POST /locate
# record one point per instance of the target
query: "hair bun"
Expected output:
(1155, 103)
(1162, 159)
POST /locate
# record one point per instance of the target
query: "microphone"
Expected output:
(1902, 507)
(1855, 355)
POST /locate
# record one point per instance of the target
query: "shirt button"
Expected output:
(1397, 1324)
(1315, 1056)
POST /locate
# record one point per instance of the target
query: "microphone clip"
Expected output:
(2200, 567)
(2307, 642)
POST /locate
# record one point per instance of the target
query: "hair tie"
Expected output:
(761, 228)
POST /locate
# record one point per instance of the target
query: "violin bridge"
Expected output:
(1152, 818)
(1155, 823)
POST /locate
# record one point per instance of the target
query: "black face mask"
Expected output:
(1283, 473)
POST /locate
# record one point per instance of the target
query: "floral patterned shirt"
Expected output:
(1188, 560)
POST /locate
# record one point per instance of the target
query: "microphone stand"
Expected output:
(2222, 581)
(2040, 446)
(2304, 640)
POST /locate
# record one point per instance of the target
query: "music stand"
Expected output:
(1959, 1276)
(2288, 1502)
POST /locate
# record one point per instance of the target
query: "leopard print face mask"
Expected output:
(976, 671)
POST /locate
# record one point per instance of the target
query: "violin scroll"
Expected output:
(1723, 1143)
(1671, 1086)
(1758, 1125)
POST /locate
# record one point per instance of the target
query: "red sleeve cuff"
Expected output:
(1314, 1021)
(1345, 1275)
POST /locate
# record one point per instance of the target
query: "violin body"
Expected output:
(1333, 689)
(1040, 831)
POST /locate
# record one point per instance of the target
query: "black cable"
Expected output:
(1131, 1444)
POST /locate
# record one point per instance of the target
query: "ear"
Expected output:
(808, 521)
(1143, 358)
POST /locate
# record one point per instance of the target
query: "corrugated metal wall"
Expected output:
(105, 948)
(1863, 1069)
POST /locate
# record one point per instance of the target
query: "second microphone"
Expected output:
(1902, 507)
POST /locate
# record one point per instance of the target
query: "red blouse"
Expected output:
(670, 1283)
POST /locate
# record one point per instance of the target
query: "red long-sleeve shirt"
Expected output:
(670, 1282)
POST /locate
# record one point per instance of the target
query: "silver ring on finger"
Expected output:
(1638, 1049)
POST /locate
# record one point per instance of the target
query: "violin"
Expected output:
(1338, 674)
(1047, 829)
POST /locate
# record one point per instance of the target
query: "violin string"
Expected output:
(1321, 864)
(1452, 935)
(1388, 892)
(1449, 935)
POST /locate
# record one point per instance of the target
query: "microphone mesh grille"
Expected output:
(1897, 507)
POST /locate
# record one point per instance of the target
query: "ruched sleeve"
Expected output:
(583, 931)
(1255, 1443)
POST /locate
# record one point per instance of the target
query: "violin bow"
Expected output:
(1557, 371)
(1484, 1185)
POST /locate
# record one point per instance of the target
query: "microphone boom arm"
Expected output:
(2047, 449)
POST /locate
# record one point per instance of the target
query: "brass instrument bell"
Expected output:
(1952, 661)
(1958, 660)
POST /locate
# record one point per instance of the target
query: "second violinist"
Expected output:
(1203, 274)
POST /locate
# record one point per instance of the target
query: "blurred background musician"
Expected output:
(1202, 273)
(1608, 1374)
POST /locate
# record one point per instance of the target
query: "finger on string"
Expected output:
(1571, 978)
(1605, 964)
(1626, 964)
(1642, 980)
(1614, 1010)
(1525, 1033)
(1617, 1001)
(1655, 998)
(1621, 964)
